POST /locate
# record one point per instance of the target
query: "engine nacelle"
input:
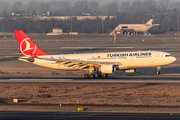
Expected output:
(107, 69)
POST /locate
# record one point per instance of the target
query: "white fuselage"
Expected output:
(136, 27)
(124, 60)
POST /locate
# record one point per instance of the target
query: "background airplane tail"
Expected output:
(149, 22)
(27, 46)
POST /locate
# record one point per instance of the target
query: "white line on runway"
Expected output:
(85, 81)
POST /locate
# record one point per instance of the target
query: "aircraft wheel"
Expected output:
(92, 76)
(86, 76)
(158, 72)
(99, 76)
(105, 75)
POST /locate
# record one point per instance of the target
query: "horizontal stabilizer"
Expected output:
(156, 24)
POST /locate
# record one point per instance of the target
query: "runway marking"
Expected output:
(89, 81)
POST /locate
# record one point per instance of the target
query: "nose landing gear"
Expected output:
(158, 70)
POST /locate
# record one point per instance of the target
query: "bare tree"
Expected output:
(63, 6)
(94, 7)
(36, 6)
(81, 7)
(164, 5)
(174, 5)
(125, 6)
(44, 7)
(4, 8)
(136, 7)
(30, 8)
(85, 28)
(16, 7)
(150, 7)
(111, 8)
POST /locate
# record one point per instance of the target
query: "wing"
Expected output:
(81, 65)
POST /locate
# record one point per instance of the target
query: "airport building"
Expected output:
(56, 31)
(69, 17)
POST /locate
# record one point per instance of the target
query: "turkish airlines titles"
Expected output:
(129, 54)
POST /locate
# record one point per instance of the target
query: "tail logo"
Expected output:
(27, 47)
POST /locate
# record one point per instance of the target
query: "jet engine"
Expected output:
(107, 69)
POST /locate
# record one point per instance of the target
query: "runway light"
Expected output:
(77, 101)
(60, 104)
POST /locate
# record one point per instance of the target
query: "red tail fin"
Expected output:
(27, 46)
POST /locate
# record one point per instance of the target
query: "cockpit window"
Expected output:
(168, 55)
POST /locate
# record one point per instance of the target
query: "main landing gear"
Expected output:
(89, 76)
(158, 70)
(94, 75)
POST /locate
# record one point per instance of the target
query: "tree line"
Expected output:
(164, 12)
(81, 7)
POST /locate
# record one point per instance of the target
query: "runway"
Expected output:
(85, 116)
(77, 79)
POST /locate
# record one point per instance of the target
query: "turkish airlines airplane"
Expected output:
(97, 64)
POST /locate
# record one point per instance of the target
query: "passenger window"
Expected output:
(168, 55)
(124, 26)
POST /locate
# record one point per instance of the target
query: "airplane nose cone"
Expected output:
(173, 59)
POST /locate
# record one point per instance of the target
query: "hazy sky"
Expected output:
(100, 1)
(25, 1)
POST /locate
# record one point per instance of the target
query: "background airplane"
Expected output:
(133, 28)
(97, 64)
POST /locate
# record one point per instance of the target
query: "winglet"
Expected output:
(27, 46)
